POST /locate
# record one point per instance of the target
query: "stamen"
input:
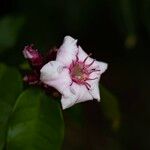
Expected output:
(77, 58)
(92, 78)
(91, 63)
(79, 71)
(87, 57)
(73, 63)
(87, 85)
(94, 70)
(71, 83)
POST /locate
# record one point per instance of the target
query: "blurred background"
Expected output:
(116, 32)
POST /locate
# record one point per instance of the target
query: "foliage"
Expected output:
(36, 123)
(10, 88)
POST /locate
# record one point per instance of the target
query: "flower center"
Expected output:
(80, 72)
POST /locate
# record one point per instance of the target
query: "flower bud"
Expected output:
(31, 79)
(32, 55)
(50, 55)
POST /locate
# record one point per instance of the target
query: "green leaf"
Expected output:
(36, 123)
(10, 87)
(9, 31)
(110, 107)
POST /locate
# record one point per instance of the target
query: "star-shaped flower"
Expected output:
(74, 74)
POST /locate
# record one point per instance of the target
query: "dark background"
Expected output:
(116, 32)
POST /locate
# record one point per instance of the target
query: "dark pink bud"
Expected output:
(31, 79)
(50, 55)
(32, 55)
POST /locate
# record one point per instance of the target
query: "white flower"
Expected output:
(74, 74)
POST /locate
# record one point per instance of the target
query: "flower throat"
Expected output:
(80, 72)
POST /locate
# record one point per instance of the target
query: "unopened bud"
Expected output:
(32, 55)
(31, 79)
(51, 55)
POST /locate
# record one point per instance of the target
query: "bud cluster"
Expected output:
(37, 61)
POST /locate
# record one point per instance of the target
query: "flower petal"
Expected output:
(89, 61)
(102, 65)
(81, 92)
(67, 102)
(96, 64)
(95, 92)
(82, 55)
(78, 94)
(50, 71)
(55, 75)
(94, 82)
(67, 51)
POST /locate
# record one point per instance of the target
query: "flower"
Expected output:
(74, 74)
(37, 61)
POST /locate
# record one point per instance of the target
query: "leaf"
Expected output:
(36, 123)
(9, 31)
(110, 107)
(10, 87)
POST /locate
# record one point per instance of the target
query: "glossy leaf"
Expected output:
(110, 107)
(10, 87)
(36, 123)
